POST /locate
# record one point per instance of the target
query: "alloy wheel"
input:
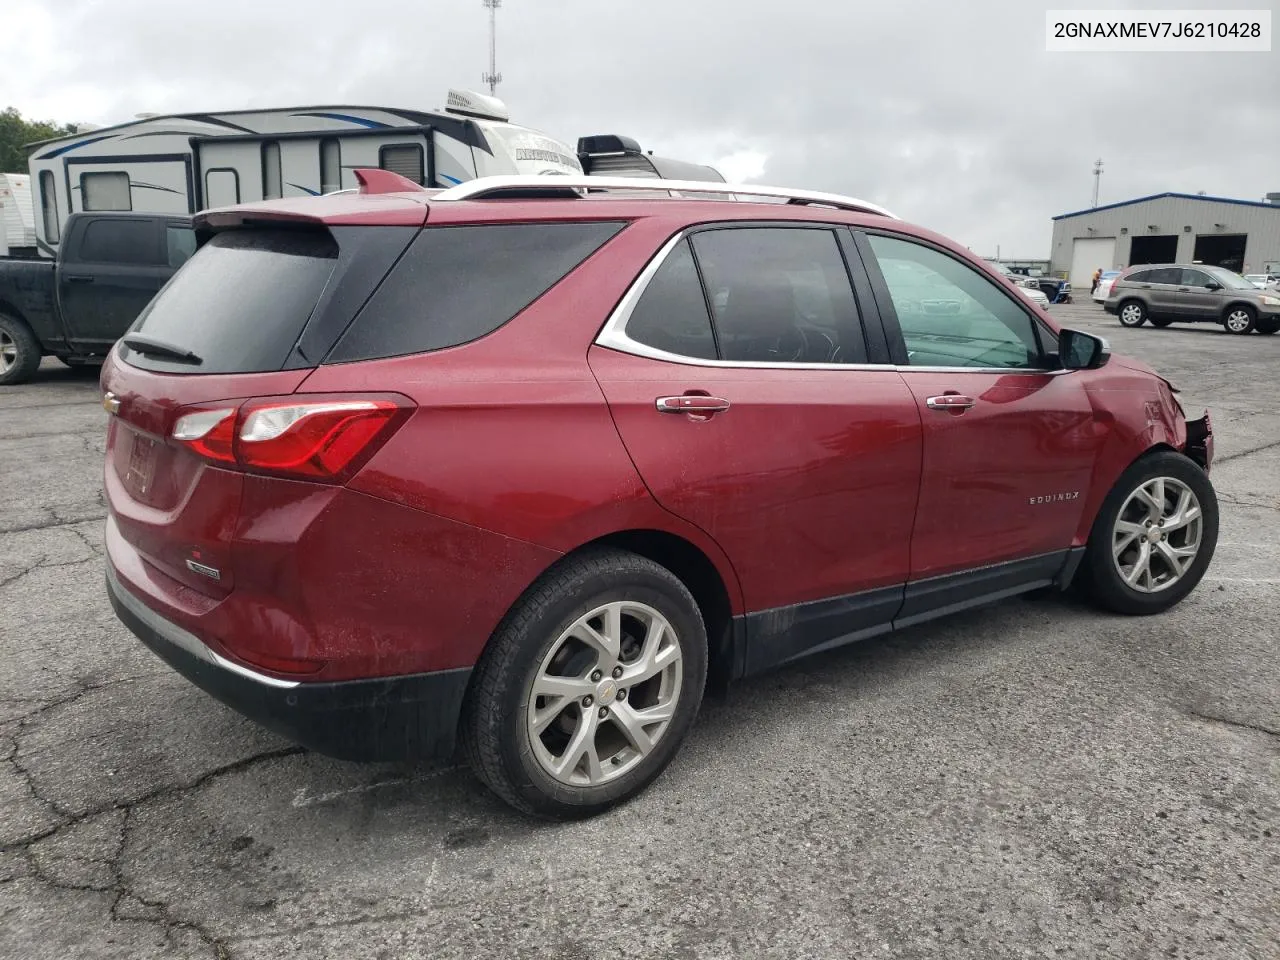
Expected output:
(1157, 534)
(8, 352)
(1131, 315)
(1238, 321)
(605, 693)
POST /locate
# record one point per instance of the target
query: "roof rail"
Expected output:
(485, 188)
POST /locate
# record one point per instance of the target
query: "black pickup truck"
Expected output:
(109, 267)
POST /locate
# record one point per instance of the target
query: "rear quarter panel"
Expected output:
(512, 434)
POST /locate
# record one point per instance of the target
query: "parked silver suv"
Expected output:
(1165, 293)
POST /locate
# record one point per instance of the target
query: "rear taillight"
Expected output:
(317, 438)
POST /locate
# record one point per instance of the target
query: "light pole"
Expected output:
(493, 77)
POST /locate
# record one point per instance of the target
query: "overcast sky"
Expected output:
(951, 114)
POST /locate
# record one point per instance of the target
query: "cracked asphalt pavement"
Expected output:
(1035, 779)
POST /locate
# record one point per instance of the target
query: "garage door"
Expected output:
(1087, 255)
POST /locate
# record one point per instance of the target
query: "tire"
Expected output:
(1157, 591)
(1160, 322)
(19, 351)
(533, 643)
(1267, 326)
(1132, 313)
(1239, 319)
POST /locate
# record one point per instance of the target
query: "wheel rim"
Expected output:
(605, 694)
(1237, 321)
(8, 352)
(1131, 315)
(1157, 535)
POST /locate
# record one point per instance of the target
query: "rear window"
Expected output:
(241, 302)
(457, 284)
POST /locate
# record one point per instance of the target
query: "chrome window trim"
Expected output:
(613, 335)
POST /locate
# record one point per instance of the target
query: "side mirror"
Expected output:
(1082, 351)
(1213, 286)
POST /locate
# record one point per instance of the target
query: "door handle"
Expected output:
(79, 278)
(695, 405)
(951, 403)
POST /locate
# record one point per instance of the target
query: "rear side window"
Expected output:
(1164, 275)
(457, 284)
(672, 315)
(120, 241)
(241, 302)
(180, 243)
(780, 295)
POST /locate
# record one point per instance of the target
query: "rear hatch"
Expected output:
(249, 316)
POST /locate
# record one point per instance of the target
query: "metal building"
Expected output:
(1241, 235)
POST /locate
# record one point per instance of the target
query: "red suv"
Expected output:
(522, 465)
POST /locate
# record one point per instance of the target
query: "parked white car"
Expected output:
(1104, 284)
(1260, 280)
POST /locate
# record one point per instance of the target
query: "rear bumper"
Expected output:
(389, 718)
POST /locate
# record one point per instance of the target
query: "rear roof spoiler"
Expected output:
(375, 180)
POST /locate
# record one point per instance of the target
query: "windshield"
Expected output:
(1232, 281)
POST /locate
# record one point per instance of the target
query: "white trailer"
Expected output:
(187, 162)
(17, 216)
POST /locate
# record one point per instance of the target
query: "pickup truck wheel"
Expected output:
(19, 351)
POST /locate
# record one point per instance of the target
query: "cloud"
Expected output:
(952, 115)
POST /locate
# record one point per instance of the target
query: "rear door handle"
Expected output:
(951, 402)
(694, 404)
(79, 278)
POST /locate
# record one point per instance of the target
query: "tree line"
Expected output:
(16, 132)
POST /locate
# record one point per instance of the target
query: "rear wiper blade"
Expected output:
(158, 348)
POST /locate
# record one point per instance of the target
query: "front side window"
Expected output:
(106, 191)
(119, 241)
(780, 295)
(950, 314)
(49, 207)
(1229, 279)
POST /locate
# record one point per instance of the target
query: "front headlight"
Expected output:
(1271, 301)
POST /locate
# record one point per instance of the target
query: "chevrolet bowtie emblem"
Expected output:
(110, 402)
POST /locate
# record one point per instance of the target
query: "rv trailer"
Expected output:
(17, 219)
(182, 163)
